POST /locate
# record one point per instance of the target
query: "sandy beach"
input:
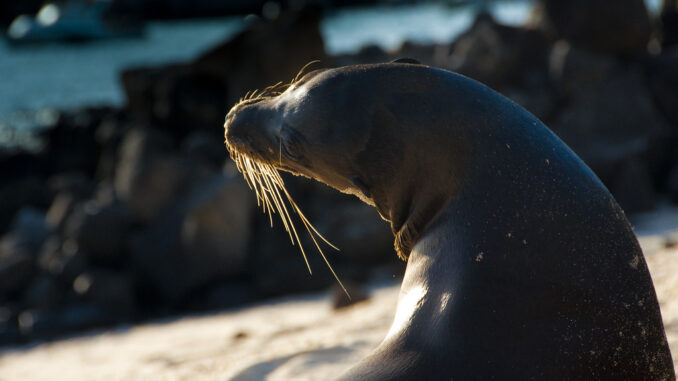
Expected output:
(300, 338)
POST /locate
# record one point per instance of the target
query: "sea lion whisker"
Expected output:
(243, 170)
(322, 254)
(289, 217)
(284, 212)
(310, 229)
(274, 191)
(251, 173)
(271, 89)
(303, 217)
(299, 74)
(268, 192)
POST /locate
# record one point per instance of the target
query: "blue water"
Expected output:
(68, 76)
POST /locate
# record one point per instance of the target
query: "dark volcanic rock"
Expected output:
(607, 27)
(669, 23)
(62, 259)
(367, 54)
(662, 74)
(74, 183)
(16, 270)
(179, 97)
(278, 266)
(18, 251)
(608, 115)
(202, 147)
(29, 190)
(45, 292)
(61, 208)
(195, 96)
(9, 330)
(76, 131)
(34, 323)
(499, 55)
(341, 300)
(29, 230)
(108, 290)
(199, 239)
(633, 187)
(227, 295)
(101, 231)
(356, 228)
(266, 52)
(149, 176)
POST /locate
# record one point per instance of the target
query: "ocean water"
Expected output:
(36, 79)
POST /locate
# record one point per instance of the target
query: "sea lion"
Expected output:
(520, 264)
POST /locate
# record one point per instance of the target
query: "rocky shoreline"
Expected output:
(132, 213)
(307, 340)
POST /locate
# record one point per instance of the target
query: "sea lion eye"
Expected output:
(290, 141)
(289, 150)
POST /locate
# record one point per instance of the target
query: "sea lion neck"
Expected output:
(409, 186)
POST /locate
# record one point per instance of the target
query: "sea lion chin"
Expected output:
(521, 265)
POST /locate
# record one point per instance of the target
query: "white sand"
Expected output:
(290, 339)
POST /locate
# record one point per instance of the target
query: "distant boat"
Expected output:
(71, 21)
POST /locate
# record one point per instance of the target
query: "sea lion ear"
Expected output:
(406, 60)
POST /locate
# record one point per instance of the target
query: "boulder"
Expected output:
(200, 239)
(227, 295)
(111, 291)
(266, 52)
(100, 230)
(633, 187)
(149, 176)
(16, 269)
(44, 292)
(500, 55)
(9, 330)
(26, 191)
(62, 207)
(663, 82)
(29, 230)
(73, 183)
(278, 266)
(608, 116)
(669, 23)
(366, 55)
(341, 300)
(70, 145)
(185, 97)
(203, 148)
(45, 324)
(356, 228)
(62, 259)
(619, 27)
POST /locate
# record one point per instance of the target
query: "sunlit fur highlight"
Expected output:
(269, 188)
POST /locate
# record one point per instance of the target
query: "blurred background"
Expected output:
(118, 202)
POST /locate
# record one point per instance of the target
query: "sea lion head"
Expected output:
(304, 131)
(358, 130)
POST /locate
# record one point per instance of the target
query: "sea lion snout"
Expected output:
(249, 130)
